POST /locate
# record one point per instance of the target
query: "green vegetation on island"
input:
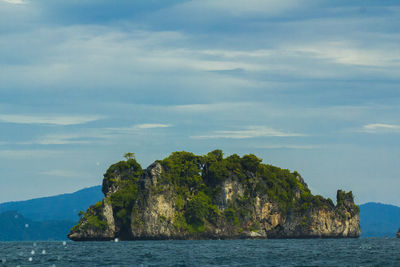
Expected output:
(206, 191)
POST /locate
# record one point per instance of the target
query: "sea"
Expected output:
(290, 252)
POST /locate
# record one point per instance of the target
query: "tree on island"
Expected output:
(129, 155)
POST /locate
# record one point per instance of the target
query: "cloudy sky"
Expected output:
(311, 86)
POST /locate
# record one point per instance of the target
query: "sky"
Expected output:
(311, 86)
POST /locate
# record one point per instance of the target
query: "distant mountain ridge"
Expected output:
(15, 227)
(379, 220)
(59, 207)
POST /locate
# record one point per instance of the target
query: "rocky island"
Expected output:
(186, 196)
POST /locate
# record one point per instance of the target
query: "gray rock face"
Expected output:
(158, 208)
(154, 213)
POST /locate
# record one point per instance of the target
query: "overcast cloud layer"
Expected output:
(311, 86)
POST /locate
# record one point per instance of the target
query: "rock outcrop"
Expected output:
(210, 197)
(398, 234)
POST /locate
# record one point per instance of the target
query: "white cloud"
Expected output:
(347, 53)
(212, 107)
(91, 136)
(104, 57)
(15, 2)
(380, 128)
(48, 119)
(261, 53)
(248, 132)
(137, 128)
(98, 57)
(241, 8)
(152, 125)
(381, 125)
(69, 139)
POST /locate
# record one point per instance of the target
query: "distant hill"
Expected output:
(60, 207)
(379, 220)
(15, 227)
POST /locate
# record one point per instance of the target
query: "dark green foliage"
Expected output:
(308, 201)
(123, 175)
(124, 199)
(250, 162)
(180, 221)
(93, 221)
(214, 214)
(216, 172)
(124, 178)
(197, 183)
(179, 203)
(216, 155)
(129, 155)
(92, 218)
(279, 184)
(200, 179)
(347, 199)
(198, 209)
(127, 170)
(231, 216)
(183, 169)
(342, 196)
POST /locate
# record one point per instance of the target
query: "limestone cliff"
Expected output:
(210, 197)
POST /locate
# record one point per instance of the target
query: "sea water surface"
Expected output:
(291, 252)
